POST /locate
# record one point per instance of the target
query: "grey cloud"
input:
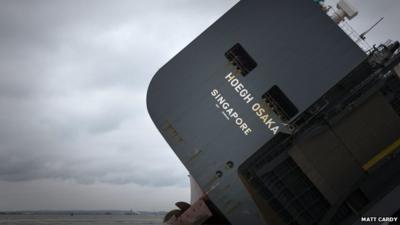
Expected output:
(73, 83)
(62, 195)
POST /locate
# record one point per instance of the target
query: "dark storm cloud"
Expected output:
(73, 83)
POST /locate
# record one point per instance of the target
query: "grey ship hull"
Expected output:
(282, 119)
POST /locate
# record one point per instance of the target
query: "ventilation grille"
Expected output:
(289, 192)
(391, 91)
(240, 59)
(341, 214)
(280, 103)
(272, 149)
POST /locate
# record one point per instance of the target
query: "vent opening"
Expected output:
(280, 103)
(239, 58)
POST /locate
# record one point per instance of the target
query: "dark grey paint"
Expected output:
(296, 47)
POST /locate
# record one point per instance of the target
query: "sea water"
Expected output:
(80, 219)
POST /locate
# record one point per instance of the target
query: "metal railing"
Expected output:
(349, 30)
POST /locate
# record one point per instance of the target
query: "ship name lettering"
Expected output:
(230, 112)
(239, 87)
(265, 117)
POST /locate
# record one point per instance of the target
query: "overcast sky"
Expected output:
(74, 130)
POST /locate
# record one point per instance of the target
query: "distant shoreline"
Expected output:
(82, 212)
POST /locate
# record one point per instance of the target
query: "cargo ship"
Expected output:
(283, 115)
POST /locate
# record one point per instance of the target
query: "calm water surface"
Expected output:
(79, 220)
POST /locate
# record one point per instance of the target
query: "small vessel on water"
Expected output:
(283, 115)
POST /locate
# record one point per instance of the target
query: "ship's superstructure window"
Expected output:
(240, 59)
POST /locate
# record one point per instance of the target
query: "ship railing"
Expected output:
(349, 30)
